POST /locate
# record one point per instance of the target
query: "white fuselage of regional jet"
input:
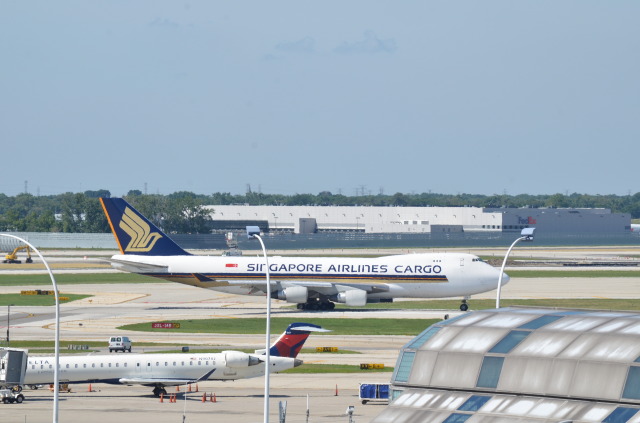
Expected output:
(153, 369)
(427, 275)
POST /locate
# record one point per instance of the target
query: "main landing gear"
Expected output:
(159, 390)
(314, 305)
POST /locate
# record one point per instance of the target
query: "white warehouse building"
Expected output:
(310, 219)
(305, 219)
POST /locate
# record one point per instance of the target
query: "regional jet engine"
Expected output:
(237, 359)
(293, 294)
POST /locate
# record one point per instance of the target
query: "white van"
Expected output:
(119, 343)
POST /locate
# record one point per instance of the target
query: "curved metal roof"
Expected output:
(543, 356)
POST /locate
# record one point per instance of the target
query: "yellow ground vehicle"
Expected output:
(12, 257)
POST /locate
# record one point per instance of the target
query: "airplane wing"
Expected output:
(327, 288)
(151, 381)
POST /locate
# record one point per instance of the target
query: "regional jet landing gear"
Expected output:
(159, 390)
(464, 306)
(314, 304)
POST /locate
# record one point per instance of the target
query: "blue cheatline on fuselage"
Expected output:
(255, 276)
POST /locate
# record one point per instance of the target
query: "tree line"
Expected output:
(182, 212)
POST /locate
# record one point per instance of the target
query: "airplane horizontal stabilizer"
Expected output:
(135, 267)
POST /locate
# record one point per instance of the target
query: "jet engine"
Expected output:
(293, 294)
(352, 297)
(239, 359)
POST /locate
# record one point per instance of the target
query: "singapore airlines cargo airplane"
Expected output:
(311, 282)
(160, 370)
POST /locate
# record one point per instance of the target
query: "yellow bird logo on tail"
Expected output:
(142, 239)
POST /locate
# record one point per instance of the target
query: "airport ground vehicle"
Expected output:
(119, 343)
(373, 392)
(12, 257)
(11, 395)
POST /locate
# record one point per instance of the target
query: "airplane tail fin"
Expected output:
(291, 341)
(134, 233)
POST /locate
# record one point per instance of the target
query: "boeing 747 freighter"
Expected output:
(311, 282)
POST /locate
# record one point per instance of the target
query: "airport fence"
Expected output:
(346, 240)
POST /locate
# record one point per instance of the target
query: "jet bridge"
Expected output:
(13, 366)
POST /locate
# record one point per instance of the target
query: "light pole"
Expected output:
(56, 383)
(8, 323)
(254, 232)
(525, 235)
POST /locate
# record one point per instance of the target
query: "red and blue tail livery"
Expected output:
(291, 341)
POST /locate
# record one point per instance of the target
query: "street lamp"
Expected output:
(525, 235)
(57, 336)
(254, 232)
(8, 322)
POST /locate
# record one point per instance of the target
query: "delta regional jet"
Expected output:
(161, 370)
(311, 282)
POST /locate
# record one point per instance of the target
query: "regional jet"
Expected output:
(311, 282)
(161, 370)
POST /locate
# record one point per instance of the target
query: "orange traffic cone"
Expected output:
(189, 388)
(90, 390)
(161, 397)
(196, 387)
(204, 397)
(212, 398)
(177, 388)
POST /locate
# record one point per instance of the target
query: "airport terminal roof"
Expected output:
(521, 365)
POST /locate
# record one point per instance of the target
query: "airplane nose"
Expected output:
(505, 278)
(297, 362)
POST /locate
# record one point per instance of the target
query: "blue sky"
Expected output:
(288, 97)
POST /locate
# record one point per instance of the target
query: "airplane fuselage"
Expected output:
(430, 275)
(150, 369)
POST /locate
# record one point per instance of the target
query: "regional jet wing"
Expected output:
(152, 381)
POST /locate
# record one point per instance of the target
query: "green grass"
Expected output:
(338, 326)
(63, 351)
(91, 344)
(573, 273)
(77, 278)
(37, 300)
(51, 344)
(630, 304)
(335, 368)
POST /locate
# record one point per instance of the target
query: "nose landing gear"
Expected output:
(464, 306)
